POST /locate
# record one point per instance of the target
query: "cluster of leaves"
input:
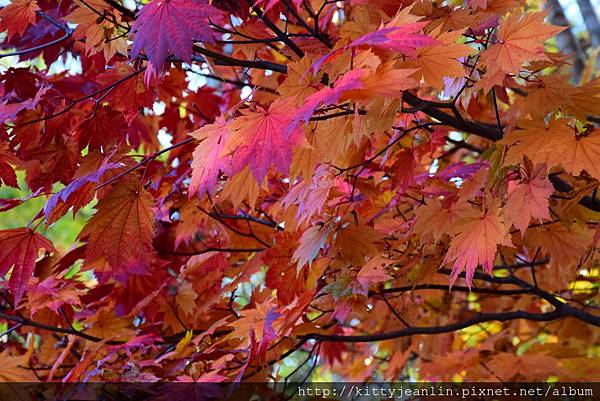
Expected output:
(334, 168)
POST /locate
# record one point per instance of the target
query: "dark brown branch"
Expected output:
(27, 322)
(81, 99)
(119, 7)
(472, 127)
(564, 308)
(411, 331)
(457, 288)
(272, 26)
(210, 249)
(588, 201)
(68, 33)
(144, 161)
(306, 26)
(222, 59)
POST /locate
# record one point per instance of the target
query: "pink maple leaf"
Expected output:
(168, 27)
(402, 39)
(326, 96)
(208, 161)
(259, 140)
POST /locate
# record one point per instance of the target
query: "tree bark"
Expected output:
(591, 21)
(566, 40)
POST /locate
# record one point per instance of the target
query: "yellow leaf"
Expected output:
(180, 347)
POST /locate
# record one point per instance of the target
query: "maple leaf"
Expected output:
(281, 271)
(189, 223)
(385, 81)
(242, 187)
(310, 197)
(100, 34)
(53, 294)
(257, 321)
(272, 3)
(106, 325)
(17, 16)
(328, 95)
(299, 83)
(436, 219)
(92, 130)
(208, 159)
(577, 152)
(565, 245)
(76, 195)
(19, 249)
(403, 38)
(545, 95)
(356, 84)
(7, 173)
(12, 369)
(10, 110)
(332, 139)
(356, 243)
(258, 140)
(121, 230)
(477, 237)
(534, 140)
(584, 100)
(129, 96)
(168, 27)
(520, 39)
(528, 199)
(374, 271)
(442, 60)
(538, 366)
(311, 243)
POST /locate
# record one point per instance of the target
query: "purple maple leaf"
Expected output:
(168, 27)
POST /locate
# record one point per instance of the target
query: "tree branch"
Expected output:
(68, 33)
(222, 59)
(272, 26)
(411, 331)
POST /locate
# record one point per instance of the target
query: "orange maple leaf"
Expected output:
(528, 199)
(477, 237)
(520, 39)
(577, 152)
(441, 60)
(533, 140)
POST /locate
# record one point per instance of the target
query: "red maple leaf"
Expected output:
(19, 249)
(92, 131)
(17, 16)
(167, 27)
